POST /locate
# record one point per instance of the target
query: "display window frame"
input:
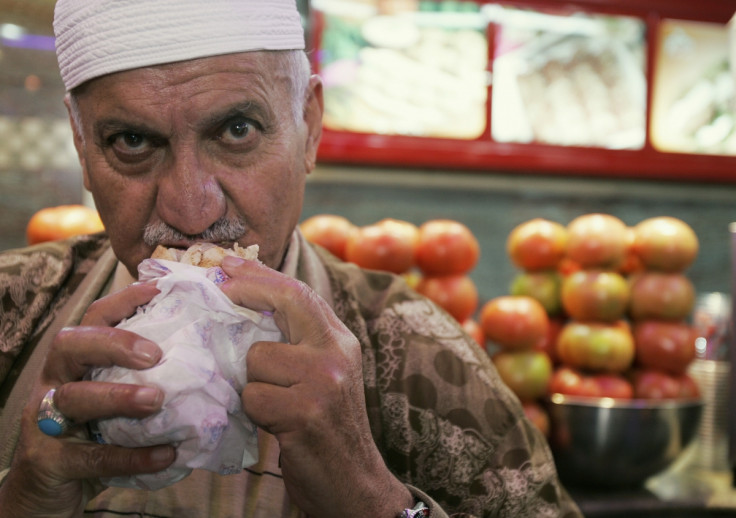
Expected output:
(484, 154)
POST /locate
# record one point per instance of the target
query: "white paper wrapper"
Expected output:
(204, 338)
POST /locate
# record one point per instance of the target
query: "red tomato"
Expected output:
(571, 382)
(661, 295)
(567, 267)
(456, 294)
(549, 344)
(61, 222)
(388, 245)
(329, 231)
(614, 386)
(514, 322)
(526, 373)
(537, 244)
(566, 380)
(597, 241)
(543, 285)
(472, 327)
(665, 243)
(655, 384)
(596, 346)
(538, 416)
(595, 295)
(446, 247)
(689, 388)
(631, 263)
(664, 345)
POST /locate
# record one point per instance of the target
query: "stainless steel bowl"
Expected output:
(612, 443)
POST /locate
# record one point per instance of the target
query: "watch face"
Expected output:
(419, 511)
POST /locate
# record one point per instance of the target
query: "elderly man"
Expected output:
(198, 121)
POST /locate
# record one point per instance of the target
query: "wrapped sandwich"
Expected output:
(204, 338)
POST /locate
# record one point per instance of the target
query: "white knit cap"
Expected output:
(97, 37)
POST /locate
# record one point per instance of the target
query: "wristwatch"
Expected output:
(418, 511)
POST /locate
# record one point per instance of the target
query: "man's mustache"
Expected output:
(221, 230)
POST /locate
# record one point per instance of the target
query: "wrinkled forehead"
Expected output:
(267, 85)
(259, 74)
(96, 38)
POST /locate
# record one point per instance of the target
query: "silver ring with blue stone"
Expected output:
(50, 420)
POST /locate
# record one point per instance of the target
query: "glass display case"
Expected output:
(693, 101)
(568, 80)
(412, 72)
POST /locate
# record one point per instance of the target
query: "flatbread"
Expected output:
(205, 255)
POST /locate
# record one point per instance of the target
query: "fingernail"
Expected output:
(152, 284)
(146, 350)
(161, 454)
(148, 396)
(232, 261)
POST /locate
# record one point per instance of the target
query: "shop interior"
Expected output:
(488, 113)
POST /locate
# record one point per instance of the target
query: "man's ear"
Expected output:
(313, 109)
(75, 122)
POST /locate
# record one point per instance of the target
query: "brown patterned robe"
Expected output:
(444, 422)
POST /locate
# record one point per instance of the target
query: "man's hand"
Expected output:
(56, 476)
(309, 394)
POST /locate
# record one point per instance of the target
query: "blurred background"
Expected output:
(488, 113)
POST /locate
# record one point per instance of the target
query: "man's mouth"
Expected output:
(184, 245)
(224, 233)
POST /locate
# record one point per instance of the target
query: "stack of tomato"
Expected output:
(435, 257)
(596, 339)
(662, 299)
(616, 300)
(519, 327)
(538, 249)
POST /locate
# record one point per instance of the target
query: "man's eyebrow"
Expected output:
(107, 125)
(247, 109)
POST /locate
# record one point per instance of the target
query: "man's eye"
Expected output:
(236, 131)
(128, 142)
(131, 147)
(133, 139)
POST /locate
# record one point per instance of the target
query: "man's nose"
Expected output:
(189, 196)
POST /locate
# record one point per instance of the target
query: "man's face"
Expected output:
(191, 145)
